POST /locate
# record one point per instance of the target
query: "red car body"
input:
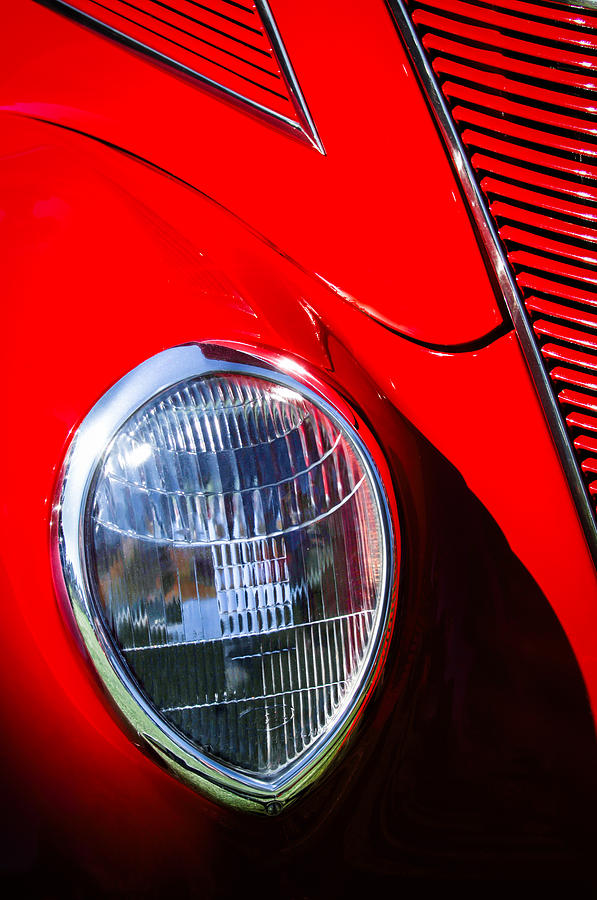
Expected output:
(139, 210)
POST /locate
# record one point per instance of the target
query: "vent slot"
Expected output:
(520, 80)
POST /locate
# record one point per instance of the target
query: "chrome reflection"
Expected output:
(227, 546)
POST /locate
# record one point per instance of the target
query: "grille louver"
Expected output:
(234, 46)
(520, 81)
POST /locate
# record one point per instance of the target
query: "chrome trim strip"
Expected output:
(306, 127)
(500, 266)
(590, 5)
(78, 597)
(288, 72)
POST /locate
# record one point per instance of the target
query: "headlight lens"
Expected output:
(236, 545)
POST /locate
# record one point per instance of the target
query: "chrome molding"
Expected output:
(499, 264)
(77, 594)
(306, 127)
(288, 72)
(581, 4)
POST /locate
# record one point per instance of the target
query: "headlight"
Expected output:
(228, 552)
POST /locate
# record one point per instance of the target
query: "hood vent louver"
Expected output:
(232, 46)
(513, 85)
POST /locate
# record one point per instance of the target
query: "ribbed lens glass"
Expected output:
(237, 548)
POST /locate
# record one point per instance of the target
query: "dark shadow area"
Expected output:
(480, 761)
(476, 762)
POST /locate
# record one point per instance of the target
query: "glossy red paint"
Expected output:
(499, 82)
(578, 378)
(484, 56)
(108, 260)
(585, 442)
(539, 220)
(569, 314)
(225, 43)
(580, 420)
(546, 29)
(343, 216)
(558, 289)
(569, 355)
(494, 37)
(66, 191)
(583, 400)
(502, 105)
(517, 171)
(530, 260)
(562, 333)
(548, 245)
(491, 144)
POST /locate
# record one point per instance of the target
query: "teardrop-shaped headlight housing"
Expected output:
(226, 545)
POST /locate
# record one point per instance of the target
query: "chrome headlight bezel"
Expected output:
(72, 578)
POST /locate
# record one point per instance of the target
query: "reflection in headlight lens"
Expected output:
(238, 552)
